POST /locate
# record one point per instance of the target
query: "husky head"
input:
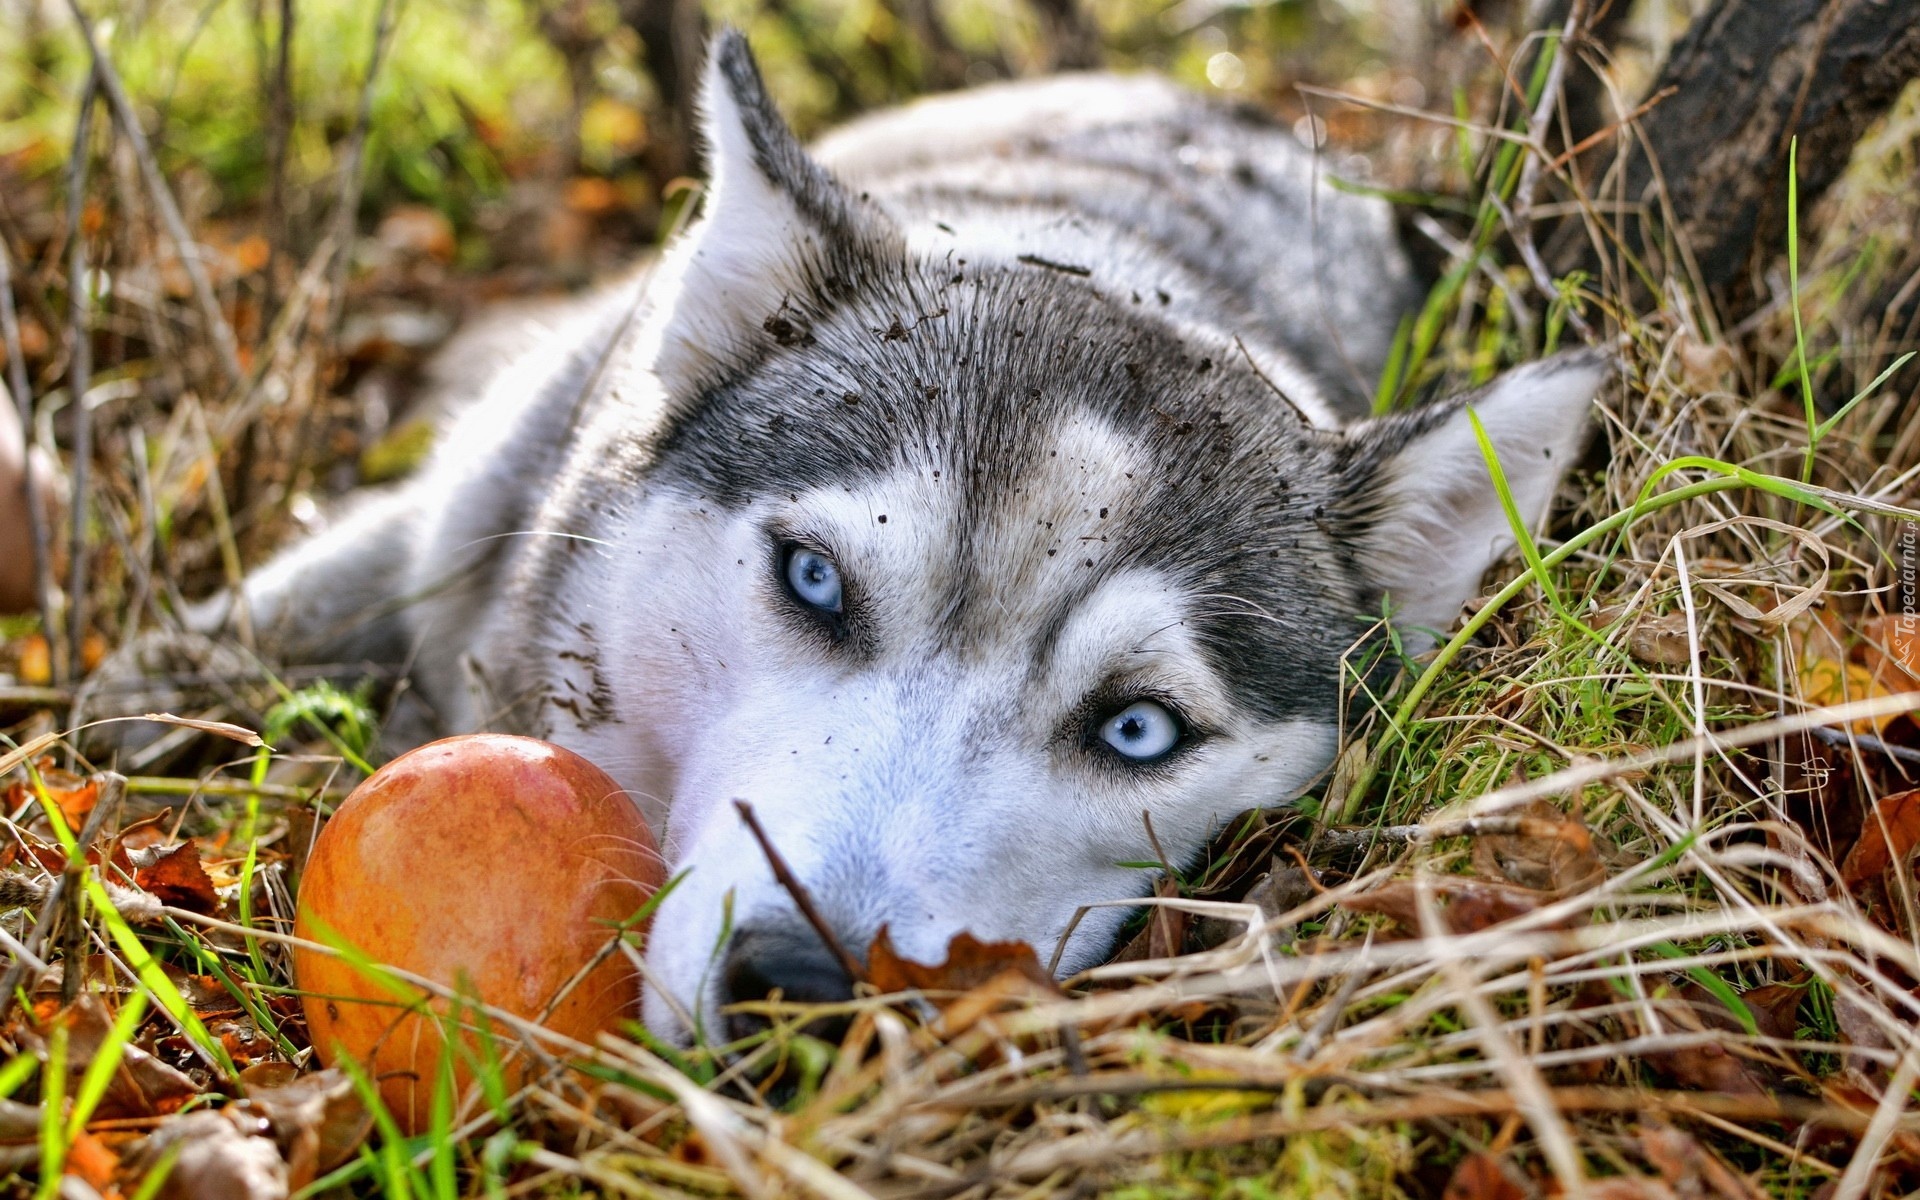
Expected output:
(960, 573)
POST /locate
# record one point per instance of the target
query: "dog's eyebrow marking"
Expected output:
(1047, 639)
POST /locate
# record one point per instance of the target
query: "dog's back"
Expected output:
(1151, 192)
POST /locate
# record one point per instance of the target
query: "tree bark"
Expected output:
(1070, 39)
(1747, 78)
(673, 36)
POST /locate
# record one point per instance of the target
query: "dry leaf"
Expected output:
(1281, 890)
(74, 795)
(89, 1158)
(1691, 1168)
(1829, 674)
(178, 878)
(1553, 852)
(143, 1086)
(1887, 836)
(971, 963)
(1890, 650)
(1165, 934)
(1775, 1008)
(1860, 1028)
(1466, 905)
(1483, 1177)
(318, 1119)
(1661, 641)
(1707, 1067)
(219, 1158)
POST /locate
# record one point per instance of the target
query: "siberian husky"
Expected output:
(962, 494)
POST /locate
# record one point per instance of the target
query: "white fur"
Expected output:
(750, 244)
(888, 787)
(1447, 524)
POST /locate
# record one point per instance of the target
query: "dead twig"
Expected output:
(184, 245)
(62, 897)
(347, 202)
(1866, 741)
(1341, 841)
(79, 381)
(1528, 192)
(38, 518)
(801, 899)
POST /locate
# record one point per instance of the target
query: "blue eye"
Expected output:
(1142, 731)
(814, 579)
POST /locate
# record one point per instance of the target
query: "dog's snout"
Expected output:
(763, 962)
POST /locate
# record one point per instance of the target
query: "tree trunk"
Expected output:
(673, 36)
(1747, 78)
(1068, 36)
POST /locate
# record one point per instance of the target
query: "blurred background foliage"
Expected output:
(486, 112)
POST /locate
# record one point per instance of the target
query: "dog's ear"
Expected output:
(776, 230)
(1419, 502)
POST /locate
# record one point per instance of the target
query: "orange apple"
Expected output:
(496, 864)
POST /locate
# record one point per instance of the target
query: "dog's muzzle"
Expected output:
(788, 962)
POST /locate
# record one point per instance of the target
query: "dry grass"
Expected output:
(1581, 914)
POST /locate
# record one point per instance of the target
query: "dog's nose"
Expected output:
(789, 961)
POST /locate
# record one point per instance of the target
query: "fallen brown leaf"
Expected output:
(1554, 851)
(1776, 1008)
(1466, 905)
(318, 1119)
(219, 1157)
(74, 795)
(1692, 1168)
(1829, 674)
(142, 1086)
(1707, 1067)
(89, 1158)
(1889, 834)
(178, 878)
(1483, 1177)
(1661, 641)
(1165, 933)
(971, 963)
(1890, 650)
(1860, 1028)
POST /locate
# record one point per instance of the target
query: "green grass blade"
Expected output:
(99, 1076)
(157, 1174)
(1793, 291)
(154, 979)
(16, 1071)
(1719, 988)
(1522, 535)
(1827, 425)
